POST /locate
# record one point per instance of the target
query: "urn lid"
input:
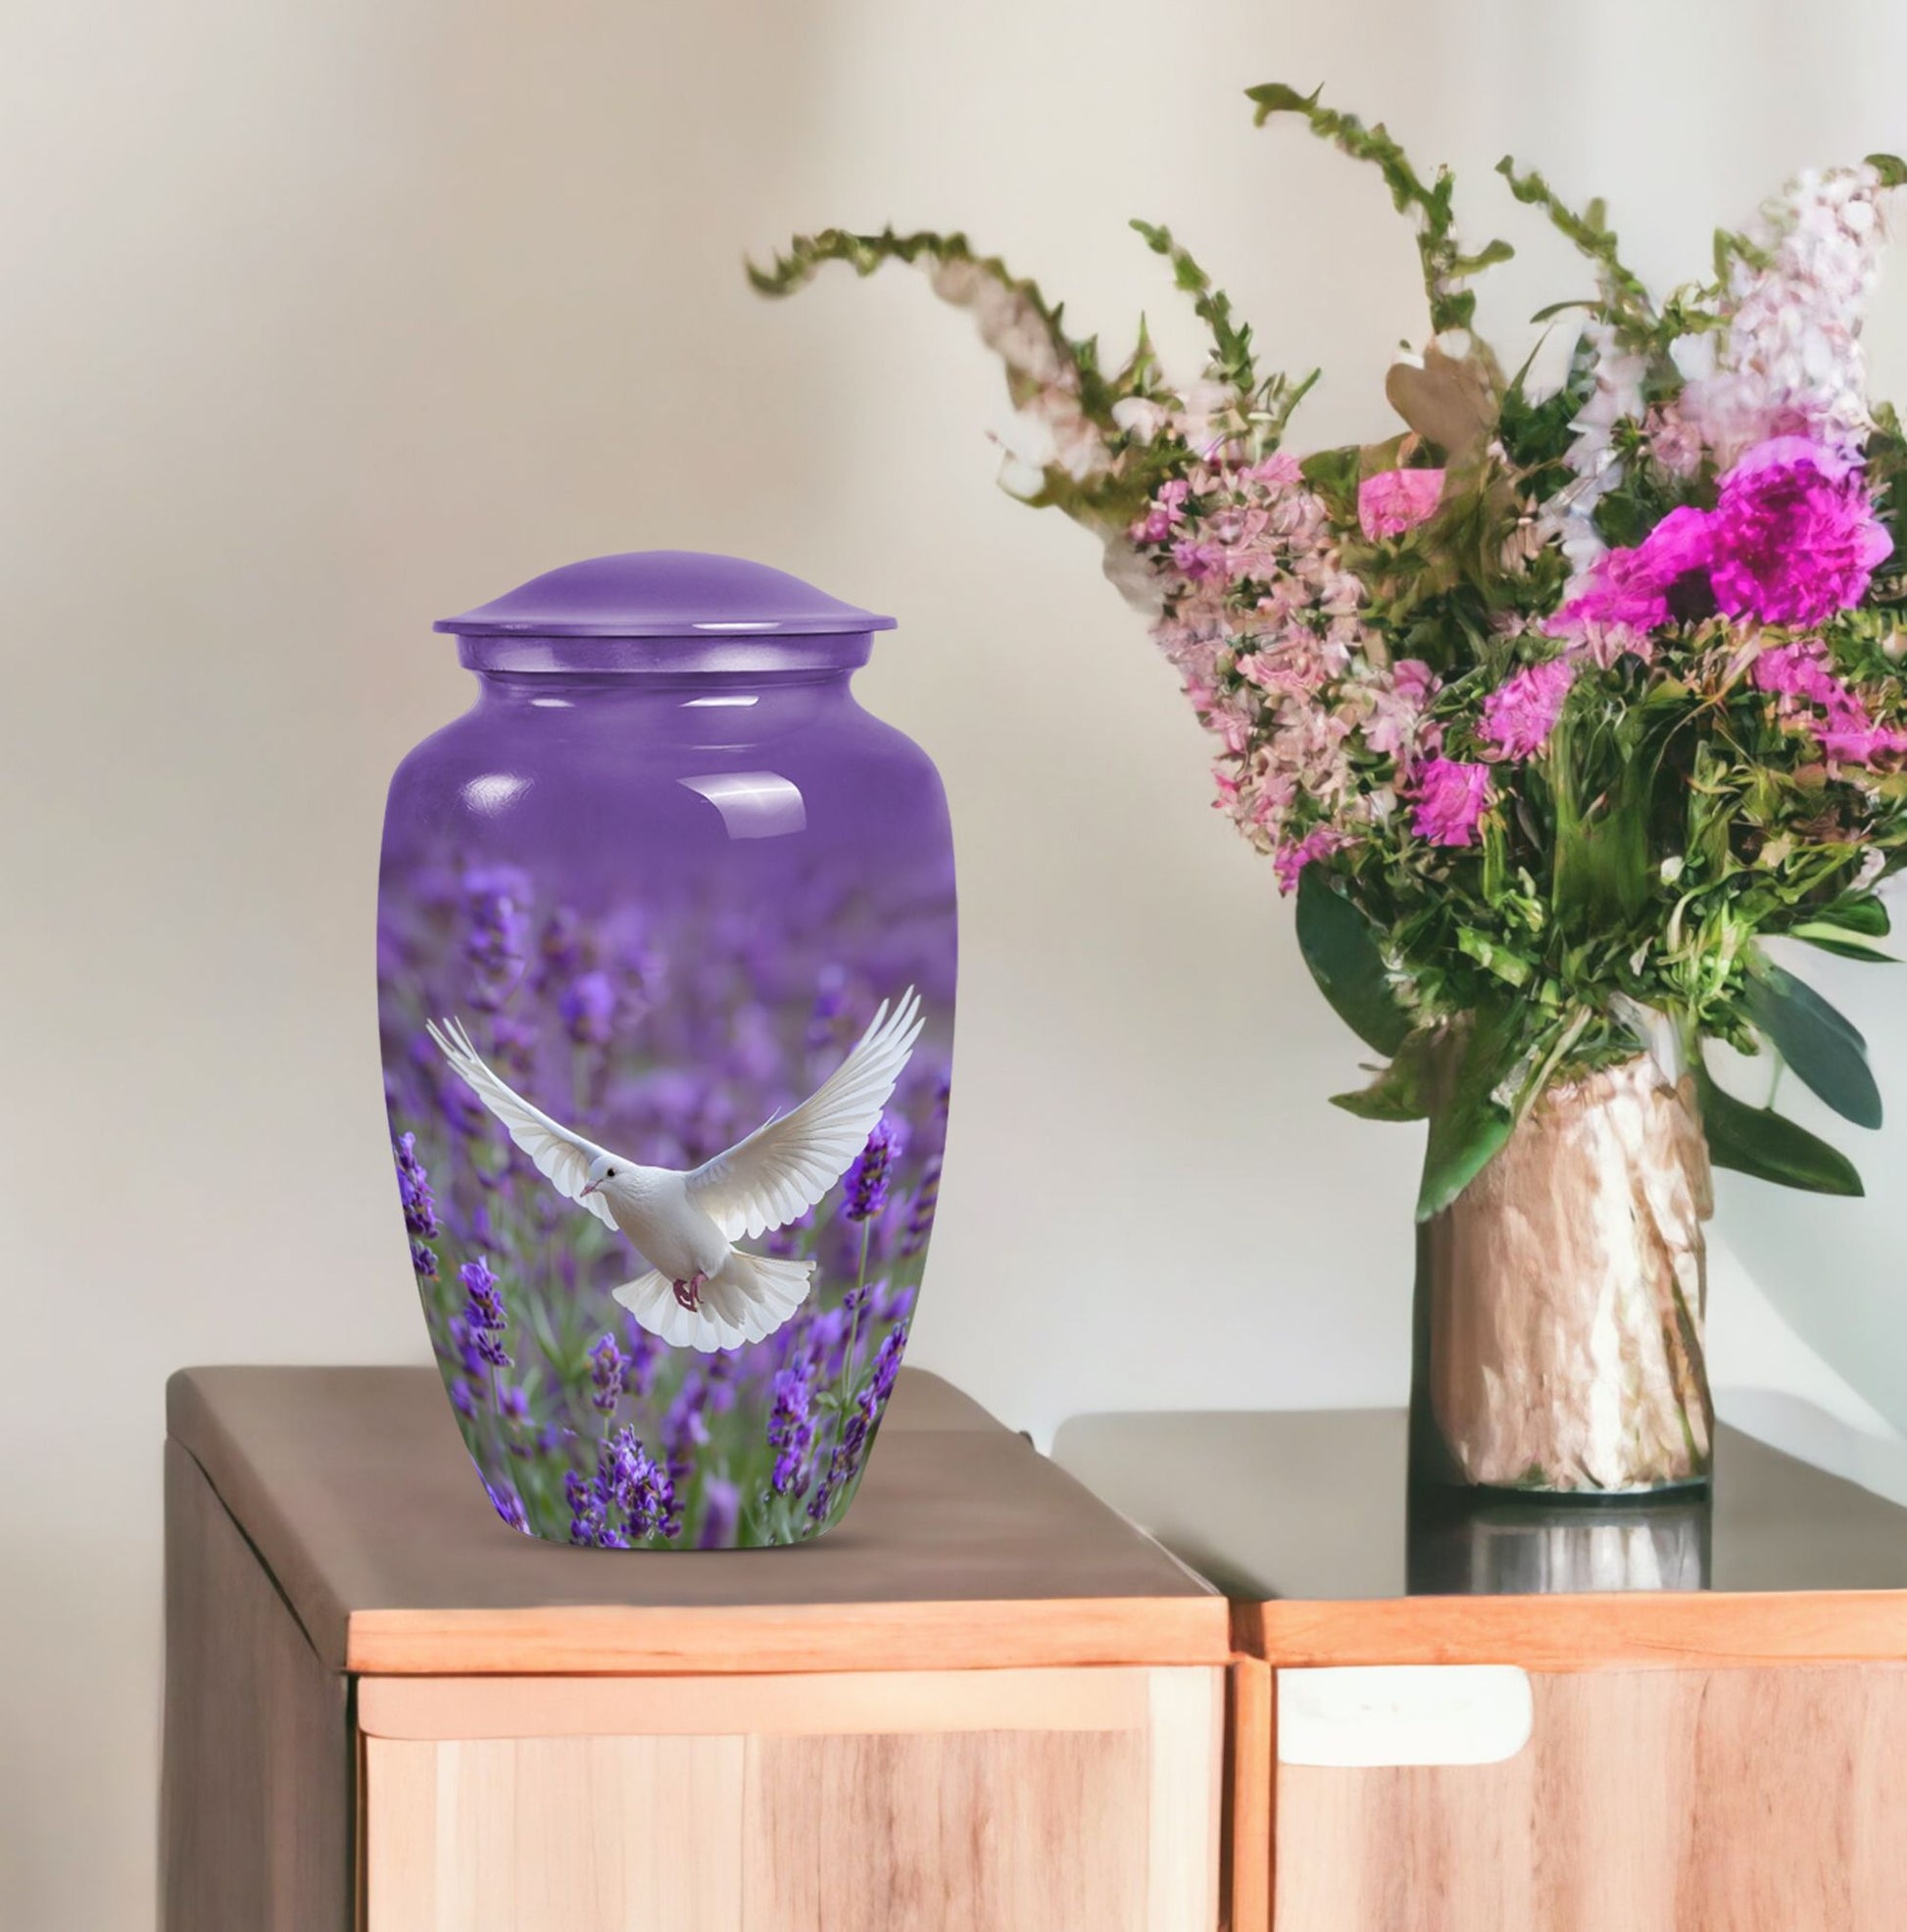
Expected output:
(665, 593)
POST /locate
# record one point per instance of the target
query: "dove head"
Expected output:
(605, 1167)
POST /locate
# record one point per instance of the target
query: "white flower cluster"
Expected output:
(1789, 362)
(1042, 378)
(1618, 396)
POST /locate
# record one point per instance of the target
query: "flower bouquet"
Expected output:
(1548, 709)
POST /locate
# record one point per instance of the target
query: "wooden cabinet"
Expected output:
(1678, 1717)
(985, 1703)
(1002, 1798)
(1643, 1800)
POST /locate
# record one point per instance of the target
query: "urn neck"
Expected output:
(708, 706)
(716, 653)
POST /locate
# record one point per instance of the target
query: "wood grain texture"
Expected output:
(1103, 1827)
(1250, 1746)
(1699, 1801)
(1633, 1630)
(748, 1640)
(256, 1809)
(959, 1833)
(1184, 1808)
(965, 1547)
(866, 1703)
(567, 1834)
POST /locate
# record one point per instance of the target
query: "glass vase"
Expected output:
(661, 880)
(1558, 1324)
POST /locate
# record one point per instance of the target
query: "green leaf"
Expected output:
(1231, 359)
(1848, 926)
(1340, 946)
(1487, 257)
(1334, 476)
(1510, 968)
(1833, 938)
(1862, 913)
(1274, 97)
(1555, 308)
(1823, 1046)
(1471, 1123)
(1402, 1092)
(1891, 170)
(1757, 1141)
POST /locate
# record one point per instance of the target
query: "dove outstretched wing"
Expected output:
(786, 1166)
(561, 1157)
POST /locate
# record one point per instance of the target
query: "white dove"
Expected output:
(701, 1290)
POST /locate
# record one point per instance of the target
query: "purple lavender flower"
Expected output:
(607, 1368)
(640, 1487)
(512, 1045)
(507, 1504)
(785, 1239)
(484, 1315)
(639, 1364)
(464, 1344)
(791, 1428)
(721, 1510)
(463, 1114)
(565, 947)
(628, 1484)
(887, 1364)
(867, 1178)
(497, 940)
(830, 1003)
(685, 1426)
(424, 1261)
(462, 1396)
(920, 1217)
(589, 1519)
(892, 1301)
(858, 1424)
(588, 1009)
(413, 1190)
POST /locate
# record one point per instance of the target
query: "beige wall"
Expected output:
(318, 320)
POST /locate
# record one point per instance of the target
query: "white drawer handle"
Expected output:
(1419, 1713)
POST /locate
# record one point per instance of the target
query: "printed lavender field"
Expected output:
(666, 1035)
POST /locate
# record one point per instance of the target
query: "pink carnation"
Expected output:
(1395, 501)
(1629, 588)
(1799, 671)
(1853, 739)
(1522, 711)
(1797, 538)
(1794, 539)
(1814, 697)
(1291, 858)
(1448, 798)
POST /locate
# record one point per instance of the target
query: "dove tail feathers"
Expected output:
(747, 1298)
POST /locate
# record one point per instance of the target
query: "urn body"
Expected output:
(664, 873)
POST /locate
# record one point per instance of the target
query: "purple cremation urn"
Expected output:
(665, 981)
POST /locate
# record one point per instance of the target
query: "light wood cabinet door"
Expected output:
(984, 1801)
(1770, 1799)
